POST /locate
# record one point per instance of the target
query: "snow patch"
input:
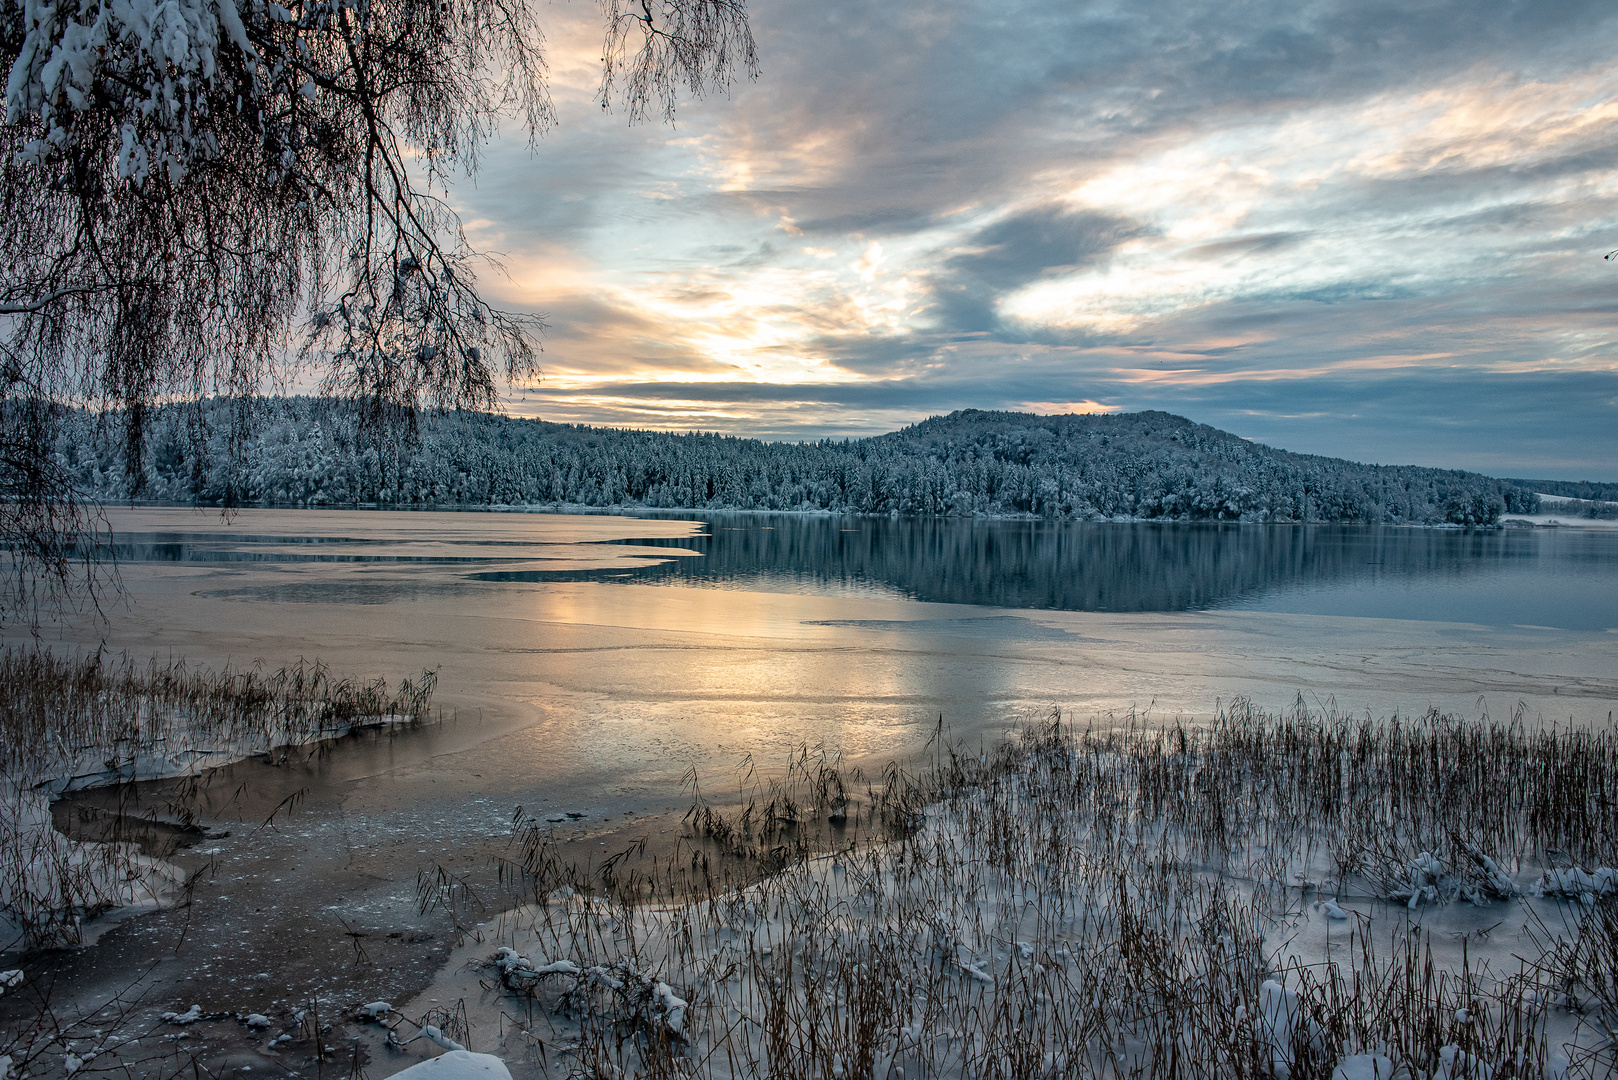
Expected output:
(458, 1064)
(1574, 883)
(1364, 1067)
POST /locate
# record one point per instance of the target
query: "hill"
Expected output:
(1148, 465)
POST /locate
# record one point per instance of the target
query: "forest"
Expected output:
(1149, 465)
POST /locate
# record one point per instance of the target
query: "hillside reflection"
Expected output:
(1097, 566)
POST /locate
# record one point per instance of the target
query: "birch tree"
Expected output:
(200, 197)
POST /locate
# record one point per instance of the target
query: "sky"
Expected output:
(1371, 230)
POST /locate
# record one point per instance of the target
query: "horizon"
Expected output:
(1131, 412)
(598, 426)
(1613, 479)
(1359, 233)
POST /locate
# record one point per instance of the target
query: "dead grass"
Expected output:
(1109, 901)
(88, 720)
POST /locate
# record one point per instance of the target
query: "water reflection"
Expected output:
(1558, 578)
(1563, 578)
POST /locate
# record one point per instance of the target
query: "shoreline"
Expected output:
(607, 695)
(1031, 919)
(413, 952)
(656, 512)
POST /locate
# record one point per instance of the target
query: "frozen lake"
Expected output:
(607, 654)
(587, 662)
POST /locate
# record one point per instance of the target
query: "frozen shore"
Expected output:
(75, 723)
(1296, 896)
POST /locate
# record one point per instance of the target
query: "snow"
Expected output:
(1280, 1022)
(437, 1036)
(1575, 883)
(1364, 1067)
(1552, 521)
(65, 883)
(431, 1032)
(1426, 875)
(671, 1006)
(976, 972)
(1455, 1063)
(953, 936)
(56, 879)
(164, 52)
(457, 1065)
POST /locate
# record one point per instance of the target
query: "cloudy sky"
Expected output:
(1350, 227)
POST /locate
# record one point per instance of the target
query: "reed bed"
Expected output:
(1297, 894)
(109, 716)
(69, 722)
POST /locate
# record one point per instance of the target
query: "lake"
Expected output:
(587, 662)
(1565, 578)
(621, 650)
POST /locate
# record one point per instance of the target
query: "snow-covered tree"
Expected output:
(971, 463)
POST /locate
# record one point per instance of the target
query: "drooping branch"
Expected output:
(209, 196)
(654, 49)
(33, 307)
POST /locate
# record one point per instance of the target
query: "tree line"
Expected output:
(1147, 465)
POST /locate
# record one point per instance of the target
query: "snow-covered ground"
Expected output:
(1280, 896)
(1100, 906)
(1553, 514)
(1551, 520)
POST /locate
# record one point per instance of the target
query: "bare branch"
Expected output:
(33, 306)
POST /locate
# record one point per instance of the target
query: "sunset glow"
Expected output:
(897, 221)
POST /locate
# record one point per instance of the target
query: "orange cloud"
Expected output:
(1062, 408)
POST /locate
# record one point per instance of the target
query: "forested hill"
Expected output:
(1132, 465)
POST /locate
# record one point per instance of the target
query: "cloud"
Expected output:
(1350, 227)
(1019, 249)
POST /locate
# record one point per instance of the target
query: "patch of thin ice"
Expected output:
(56, 883)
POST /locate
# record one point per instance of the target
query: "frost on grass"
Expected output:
(1232, 902)
(68, 724)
